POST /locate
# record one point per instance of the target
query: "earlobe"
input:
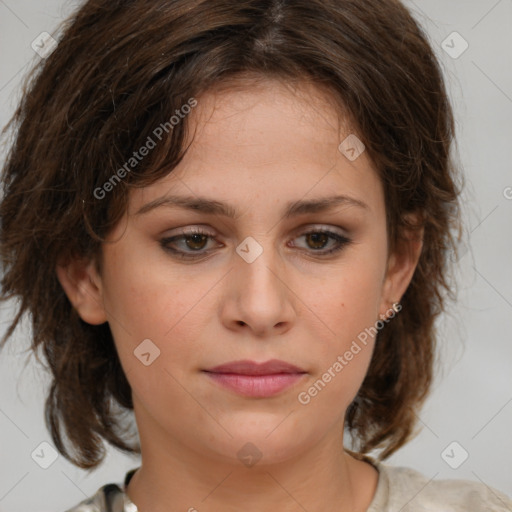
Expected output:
(82, 285)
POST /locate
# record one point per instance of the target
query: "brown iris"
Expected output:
(316, 237)
(192, 240)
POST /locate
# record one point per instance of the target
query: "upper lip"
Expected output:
(247, 367)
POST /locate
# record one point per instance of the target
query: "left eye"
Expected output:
(194, 243)
(319, 238)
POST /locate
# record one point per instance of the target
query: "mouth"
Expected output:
(260, 380)
(246, 367)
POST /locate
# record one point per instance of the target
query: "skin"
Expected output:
(255, 148)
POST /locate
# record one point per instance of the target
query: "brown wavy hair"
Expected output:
(123, 67)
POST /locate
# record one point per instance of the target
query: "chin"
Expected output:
(265, 442)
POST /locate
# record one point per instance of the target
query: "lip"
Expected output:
(247, 367)
(250, 378)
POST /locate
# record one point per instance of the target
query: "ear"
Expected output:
(82, 285)
(402, 263)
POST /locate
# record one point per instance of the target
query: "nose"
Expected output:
(259, 296)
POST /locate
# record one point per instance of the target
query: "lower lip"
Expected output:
(256, 385)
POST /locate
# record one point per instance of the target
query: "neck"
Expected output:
(323, 478)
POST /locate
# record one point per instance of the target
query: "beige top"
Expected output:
(399, 489)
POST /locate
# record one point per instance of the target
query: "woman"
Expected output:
(236, 223)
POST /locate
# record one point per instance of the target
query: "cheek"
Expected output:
(142, 305)
(349, 307)
(146, 292)
(344, 352)
(349, 300)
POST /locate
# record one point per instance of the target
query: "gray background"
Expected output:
(471, 402)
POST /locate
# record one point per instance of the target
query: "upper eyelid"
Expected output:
(300, 230)
(341, 241)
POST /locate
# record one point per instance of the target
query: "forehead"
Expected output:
(265, 107)
(267, 140)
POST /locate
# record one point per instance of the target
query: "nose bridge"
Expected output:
(257, 265)
(261, 295)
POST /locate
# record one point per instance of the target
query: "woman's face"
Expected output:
(281, 270)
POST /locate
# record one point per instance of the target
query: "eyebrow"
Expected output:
(213, 207)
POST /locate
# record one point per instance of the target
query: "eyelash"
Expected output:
(342, 242)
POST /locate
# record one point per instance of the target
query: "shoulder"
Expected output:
(109, 498)
(410, 490)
